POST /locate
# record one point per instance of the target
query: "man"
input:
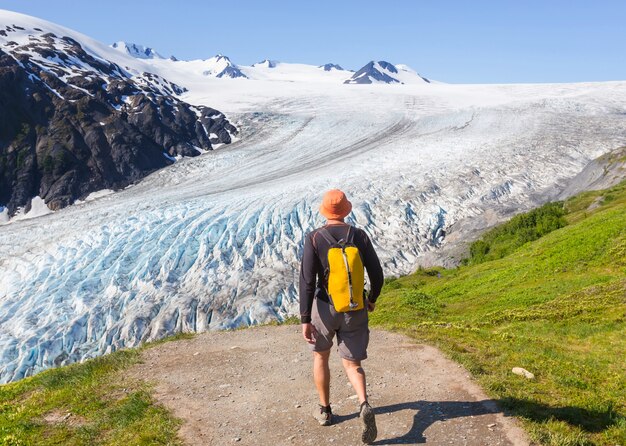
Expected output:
(321, 322)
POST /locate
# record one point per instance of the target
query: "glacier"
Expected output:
(214, 242)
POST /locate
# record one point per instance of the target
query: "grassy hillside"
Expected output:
(546, 292)
(85, 404)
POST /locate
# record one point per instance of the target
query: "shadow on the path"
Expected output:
(429, 412)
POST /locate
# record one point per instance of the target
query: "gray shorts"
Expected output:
(351, 328)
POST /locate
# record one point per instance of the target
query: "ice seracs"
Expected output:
(135, 50)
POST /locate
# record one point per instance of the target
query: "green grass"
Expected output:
(105, 406)
(290, 320)
(555, 306)
(86, 404)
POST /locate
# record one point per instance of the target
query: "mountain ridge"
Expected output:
(74, 122)
(135, 50)
(385, 73)
(220, 66)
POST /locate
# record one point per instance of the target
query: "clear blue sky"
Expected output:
(451, 41)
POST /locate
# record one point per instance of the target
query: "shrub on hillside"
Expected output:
(523, 228)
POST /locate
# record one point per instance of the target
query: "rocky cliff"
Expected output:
(72, 123)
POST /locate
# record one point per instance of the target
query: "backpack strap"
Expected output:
(331, 240)
(328, 236)
(350, 236)
(313, 242)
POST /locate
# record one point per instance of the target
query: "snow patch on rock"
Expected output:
(38, 208)
(95, 195)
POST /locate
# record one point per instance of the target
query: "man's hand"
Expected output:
(309, 333)
(371, 306)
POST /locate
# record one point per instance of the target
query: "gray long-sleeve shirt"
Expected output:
(315, 262)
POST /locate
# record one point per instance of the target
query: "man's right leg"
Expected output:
(321, 376)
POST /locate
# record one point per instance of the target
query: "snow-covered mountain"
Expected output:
(408, 75)
(385, 73)
(266, 63)
(134, 50)
(75, 122)
(331, 67)
(220, 66)
(214, 241)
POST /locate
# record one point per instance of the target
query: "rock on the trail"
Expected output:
(522, 372)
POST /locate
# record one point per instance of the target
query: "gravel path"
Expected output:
(254, 387)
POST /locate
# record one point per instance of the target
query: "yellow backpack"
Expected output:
(345, 274)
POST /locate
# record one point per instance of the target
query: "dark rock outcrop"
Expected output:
(330, 67)
(71, 124)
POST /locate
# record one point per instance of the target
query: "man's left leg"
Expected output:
(356, 376)
(353, 339)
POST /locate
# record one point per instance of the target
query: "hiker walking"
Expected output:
(333, 302)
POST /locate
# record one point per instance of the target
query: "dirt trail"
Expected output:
(253, 387)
